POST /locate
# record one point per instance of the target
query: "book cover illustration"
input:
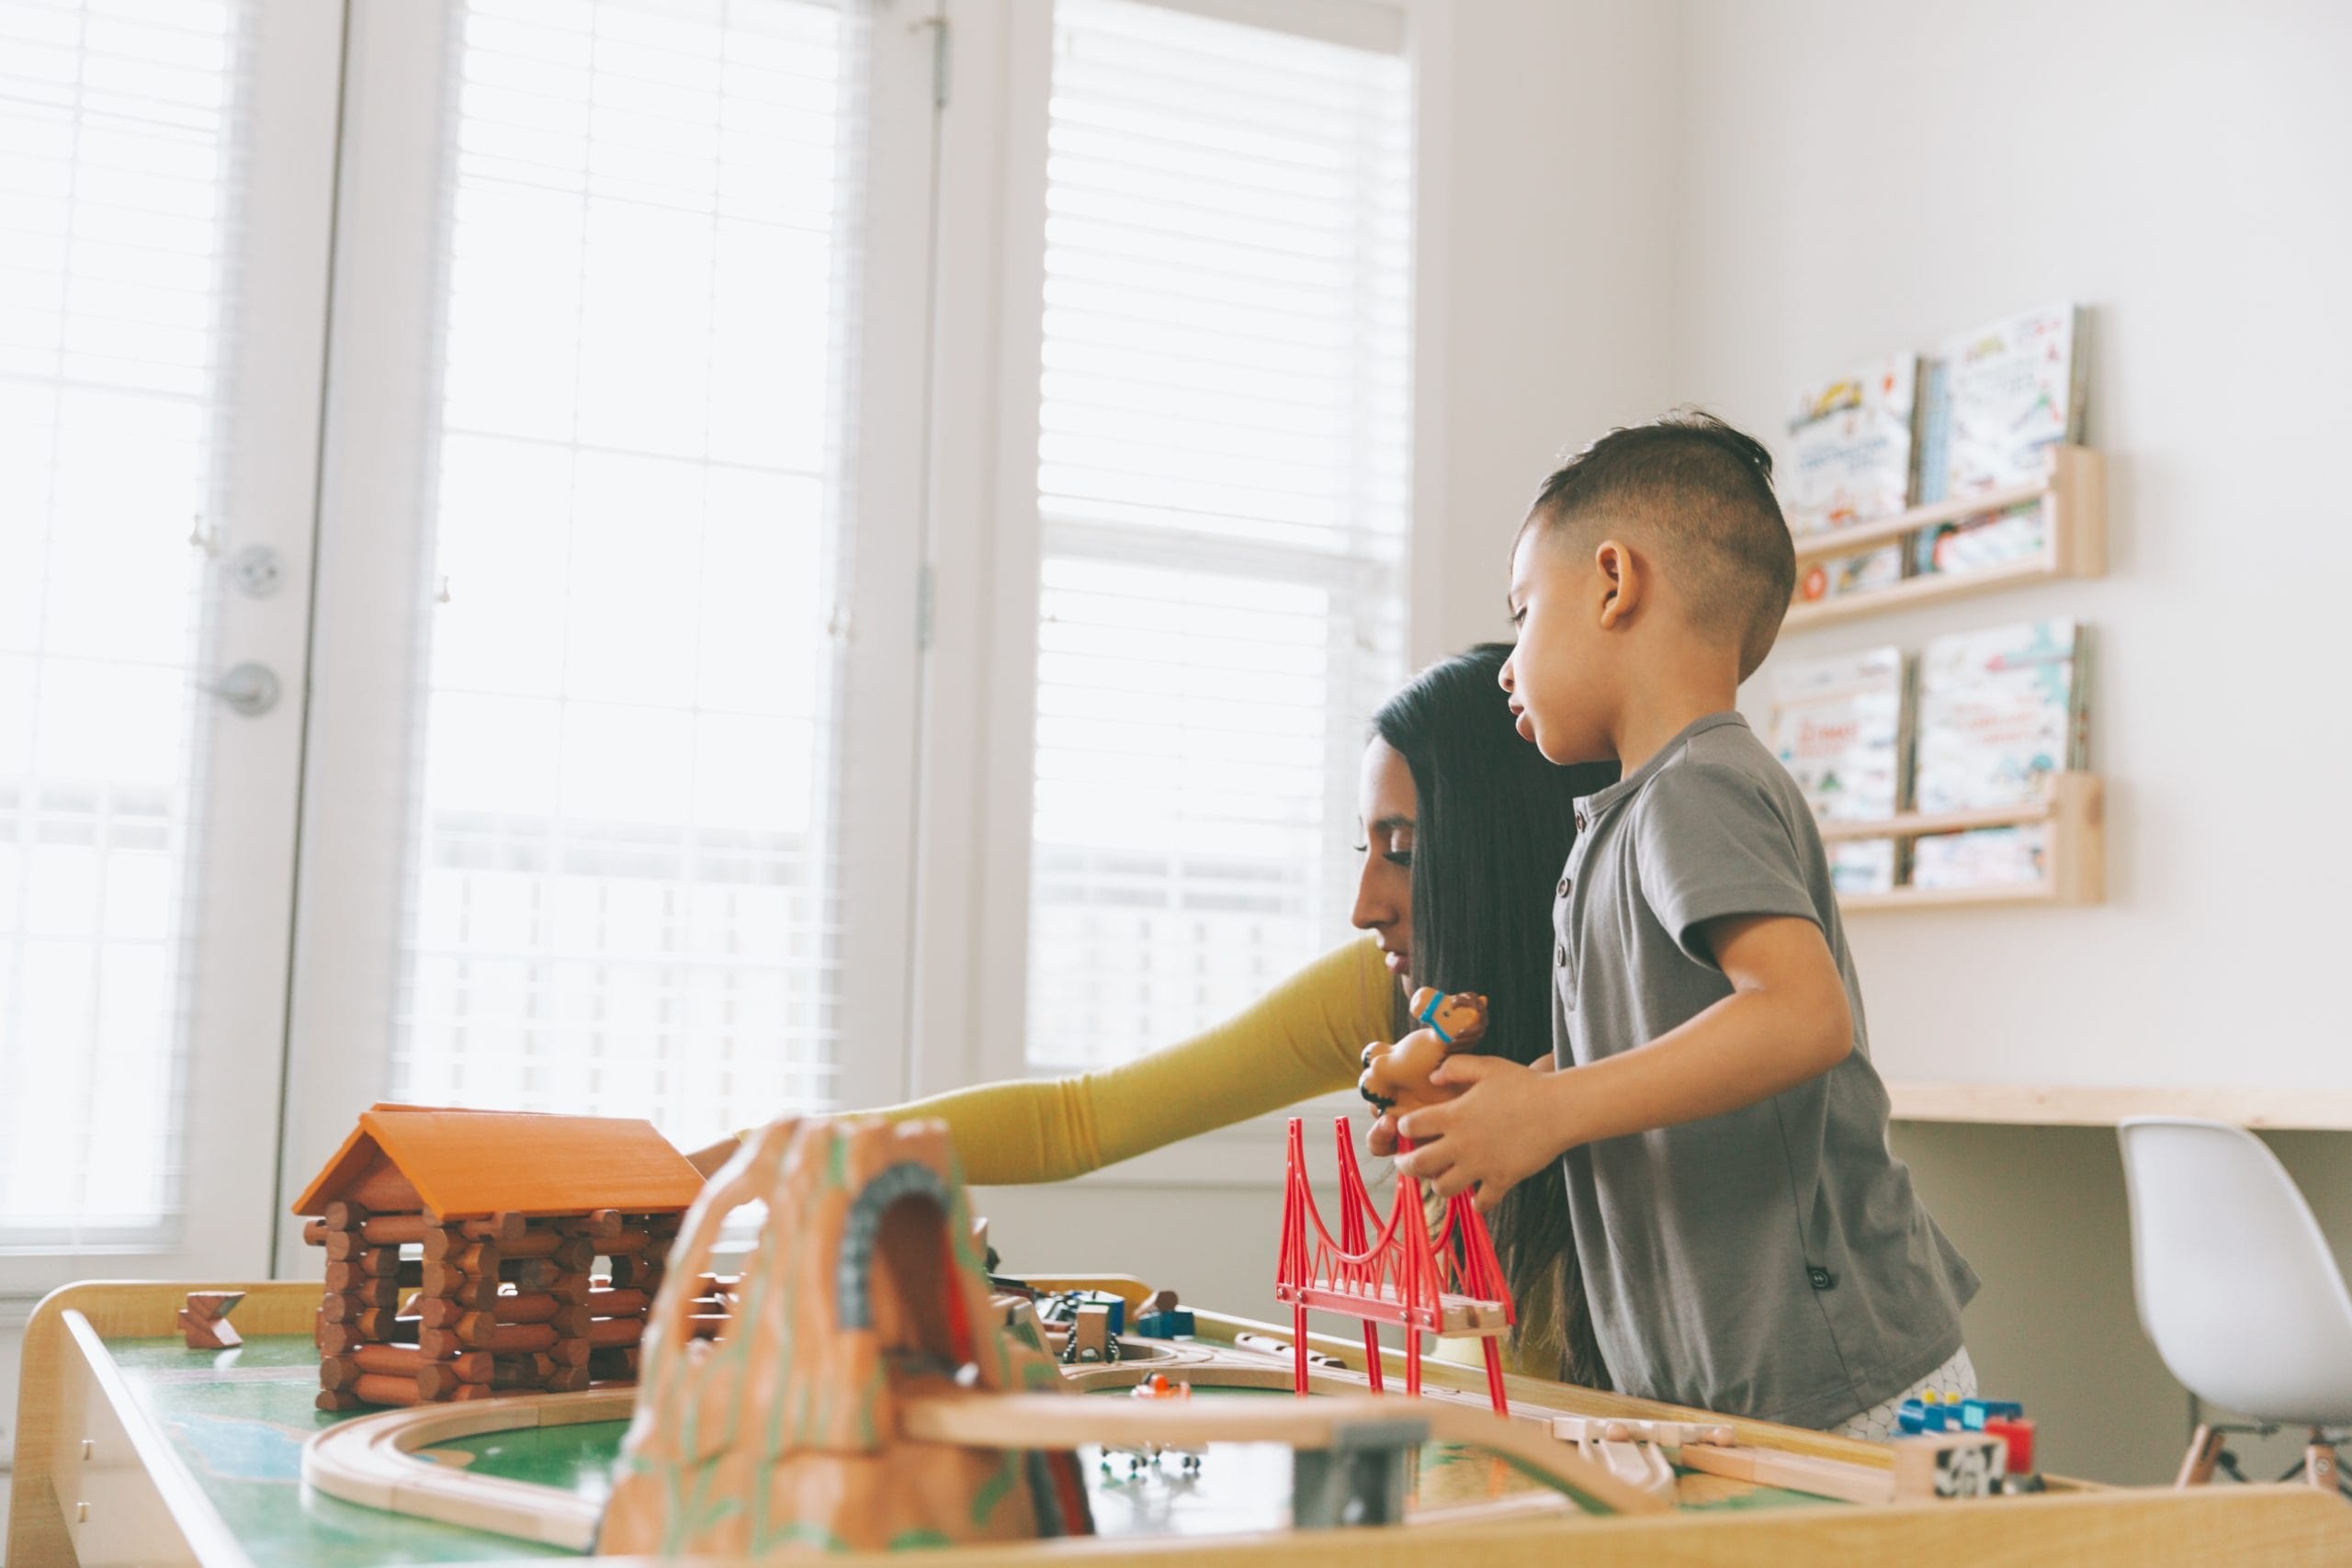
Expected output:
(1983, 857)
(1850, 450)
(1851, 574)
(1999, 712)
(2003, 394)
(2016, 533)
(1837, 727)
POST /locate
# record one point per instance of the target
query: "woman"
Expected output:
(1466, 828)
(1488, 825)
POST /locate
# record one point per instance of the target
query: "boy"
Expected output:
(1750, 1245)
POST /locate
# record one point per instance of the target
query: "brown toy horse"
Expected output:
(1396, 1077)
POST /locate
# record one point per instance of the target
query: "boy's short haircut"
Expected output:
(1699, 493)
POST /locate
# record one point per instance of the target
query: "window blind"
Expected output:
(624, 891)
(120, 182)
(1224, 475)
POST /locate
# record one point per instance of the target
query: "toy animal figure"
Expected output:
(1396, 1077)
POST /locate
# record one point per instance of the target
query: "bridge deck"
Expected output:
(1457, 1316)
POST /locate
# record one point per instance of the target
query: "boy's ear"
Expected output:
(1623, 574)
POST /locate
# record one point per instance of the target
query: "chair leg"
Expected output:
(2321, 1460)
(2204, 1453)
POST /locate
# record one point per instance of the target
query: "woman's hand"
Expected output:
(1503, 1128)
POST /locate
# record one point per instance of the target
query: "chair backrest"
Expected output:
(2234, 1280)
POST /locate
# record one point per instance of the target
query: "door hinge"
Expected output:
(924, 579)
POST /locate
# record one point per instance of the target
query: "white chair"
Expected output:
(2237, 1288)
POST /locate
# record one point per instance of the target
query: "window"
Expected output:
(1223, 488)
(623, 895)
(609, 773)
(120, 193)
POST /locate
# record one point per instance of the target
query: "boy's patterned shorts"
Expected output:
(1956, 1379)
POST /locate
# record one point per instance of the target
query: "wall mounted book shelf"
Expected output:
(2074, 517)
(2074, 860)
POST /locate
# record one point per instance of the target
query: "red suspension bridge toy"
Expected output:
(1450, 1284)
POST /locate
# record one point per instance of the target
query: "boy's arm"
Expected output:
(1719, 869)
(1786, 1021)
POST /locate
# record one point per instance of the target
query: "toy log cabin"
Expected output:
(462, 1250)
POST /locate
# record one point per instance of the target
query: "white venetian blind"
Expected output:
(624, 880)
(1224, 475)
(120, 181)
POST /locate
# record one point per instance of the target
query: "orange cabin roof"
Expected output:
(474, 1164)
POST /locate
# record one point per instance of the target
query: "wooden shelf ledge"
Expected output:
(2076, 812)
(2093, 1105)
(2073, 514)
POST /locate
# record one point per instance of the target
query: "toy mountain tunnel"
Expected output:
(867, 1299)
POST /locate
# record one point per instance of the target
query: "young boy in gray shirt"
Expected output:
(1750, 1245)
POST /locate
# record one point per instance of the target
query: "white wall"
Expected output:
(1857, 177)
(1556, 312)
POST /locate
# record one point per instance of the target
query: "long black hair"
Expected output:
(1493, 824)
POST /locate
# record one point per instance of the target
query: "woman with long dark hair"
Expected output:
(1466, 829)
(1492, 826)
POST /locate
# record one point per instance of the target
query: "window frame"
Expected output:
(375, 515)
(240, 862)
(972, 907)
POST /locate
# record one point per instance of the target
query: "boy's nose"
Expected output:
(1503, 677)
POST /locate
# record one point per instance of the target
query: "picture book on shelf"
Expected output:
(1997, 398)
(2015, 532)
(1837, 727)
(1856, 573)
(1849, 451)
(1999, 713)
(1982, 857)
(1850, 459)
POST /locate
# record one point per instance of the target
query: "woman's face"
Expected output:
(1385, 808)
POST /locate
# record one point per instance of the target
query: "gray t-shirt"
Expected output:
(1773, 1261)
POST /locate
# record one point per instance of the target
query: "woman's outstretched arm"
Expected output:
(1300, 1039)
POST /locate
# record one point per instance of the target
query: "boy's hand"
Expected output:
(1382, 1139)
(1501, 1130)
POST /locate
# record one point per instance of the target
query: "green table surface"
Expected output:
(238, 1420)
